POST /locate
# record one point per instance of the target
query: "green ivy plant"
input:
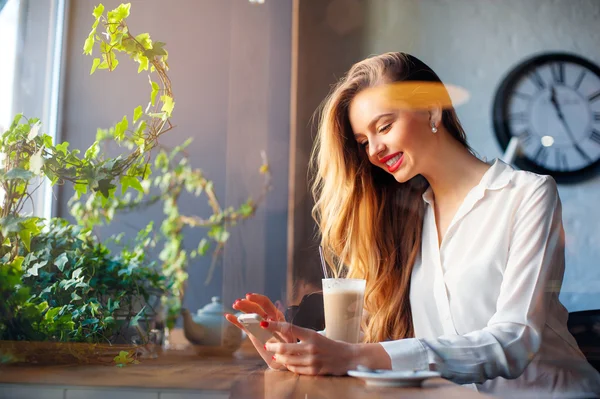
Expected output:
(57, 281)
(72, 288)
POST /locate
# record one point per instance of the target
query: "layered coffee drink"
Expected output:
(343, 301)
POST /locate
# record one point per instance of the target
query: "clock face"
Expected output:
(552, 104)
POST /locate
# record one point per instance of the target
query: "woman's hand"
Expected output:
(314, 354)
(262, 305)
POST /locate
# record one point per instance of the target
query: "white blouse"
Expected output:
(485, 303)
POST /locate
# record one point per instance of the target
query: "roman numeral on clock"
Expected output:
(537, 79)
(558, 72)
(579, 80)
(595, 136)
(594, 96)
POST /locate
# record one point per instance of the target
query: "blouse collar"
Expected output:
(495, 178)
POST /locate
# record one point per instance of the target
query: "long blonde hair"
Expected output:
(370, 225)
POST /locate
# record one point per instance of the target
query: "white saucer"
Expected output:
(394, 378)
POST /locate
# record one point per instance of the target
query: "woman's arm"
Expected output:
(512, 337)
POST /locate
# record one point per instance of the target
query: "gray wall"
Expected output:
(469, 43)
(473, 44)
(230, 66)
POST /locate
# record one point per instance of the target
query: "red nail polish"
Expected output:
(273, 357)
(265, 347)
(264, 324)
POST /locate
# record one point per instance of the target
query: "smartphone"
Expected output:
(251, 322)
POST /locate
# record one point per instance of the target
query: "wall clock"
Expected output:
(551, 102)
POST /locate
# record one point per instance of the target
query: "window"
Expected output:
(31, 41)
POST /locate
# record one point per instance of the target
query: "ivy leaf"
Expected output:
(95, 64)
(143, 63)
(137, 113)
(123, 359)
(92, 152)
(28, 228)
(140, 131)
(11, 224)
(75, 297)
(203, 246)
(51, 313)
(80, 188)
(77, 273)
(129, 181)
(157, 49)
(219, 234)
(25, 236)
(94, 306)
(104, 63)
(105, 186)
(42, 306)
(34, 131)
(36, 162)
(135, 319)
(98, 11)
(120, 128)
(62, 147)
(47, 140)
(155, 89)
(18, 173)
(168, 104)
(88, 46)
(60, 261)
(119, 13)
(89, 321)
(33, 270)
(17, 262)
(147, 172)
(144, 40)
(246, 209)
(112, 305)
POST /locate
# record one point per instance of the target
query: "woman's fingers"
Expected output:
(267, 356)
(303, 334)
(266, 304)
(246, 306)
(294, 349)
(233, 320)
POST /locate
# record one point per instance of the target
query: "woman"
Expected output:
(463, 260)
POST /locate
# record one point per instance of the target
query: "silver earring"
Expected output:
(433, 128)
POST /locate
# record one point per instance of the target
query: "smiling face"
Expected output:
(397, 140)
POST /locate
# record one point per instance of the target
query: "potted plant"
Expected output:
(58, 282)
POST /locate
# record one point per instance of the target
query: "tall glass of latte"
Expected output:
(343, 300)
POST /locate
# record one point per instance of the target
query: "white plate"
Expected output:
(394, 378)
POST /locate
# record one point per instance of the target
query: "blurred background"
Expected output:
(249, 75)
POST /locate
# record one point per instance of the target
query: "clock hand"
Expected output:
(561, 116)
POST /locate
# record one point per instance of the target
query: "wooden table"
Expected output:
(178, 374)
